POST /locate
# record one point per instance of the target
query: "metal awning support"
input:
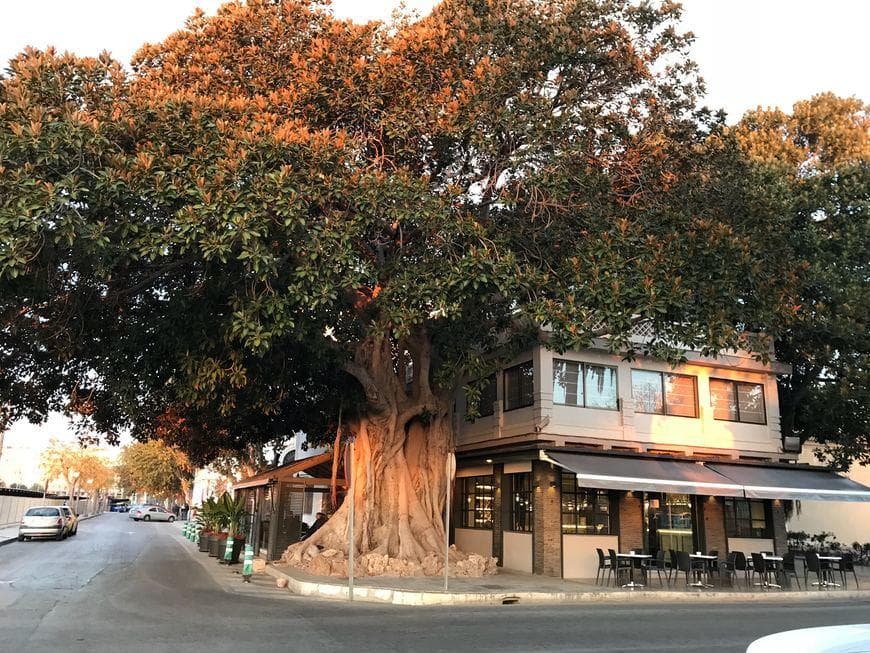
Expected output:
(802, 484)
(644, 474)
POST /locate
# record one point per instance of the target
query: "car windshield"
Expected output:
(42, 512)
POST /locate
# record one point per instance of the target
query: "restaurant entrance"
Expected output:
(669, 522)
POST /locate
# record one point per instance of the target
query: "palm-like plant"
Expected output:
(232, 512)
(207, 518)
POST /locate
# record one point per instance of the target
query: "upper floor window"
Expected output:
(519, 386)
(664, 394)
(737, 402)
(746, 518)
(582, 384)
(475, 501)
(521, 511)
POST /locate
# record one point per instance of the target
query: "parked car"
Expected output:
(826, 639)
(44, 521)
(120, 507)
(151, 513)
(72, 520)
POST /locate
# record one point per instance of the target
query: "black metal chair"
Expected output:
(741, 564)
(658, 565)
(603, 565)
(675, 565)
(730, 567)
(789, 568)
(618, 565)
(812, 564)
(687, 566)
(764, 570)
(843, 566)
(715, 565)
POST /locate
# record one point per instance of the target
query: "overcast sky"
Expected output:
(751, 53)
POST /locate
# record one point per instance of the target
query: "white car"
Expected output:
(45, 521)
(151, 513)
(827, 639)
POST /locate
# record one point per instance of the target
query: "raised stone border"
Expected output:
(397, 596)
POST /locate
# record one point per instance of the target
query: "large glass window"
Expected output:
(521, 510)
(737, 402)
(746, 518)
(519, 386)
(585, 511)
(475, 501)
(664, 394)
(582, 384)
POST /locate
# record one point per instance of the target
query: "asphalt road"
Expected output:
(126, 586)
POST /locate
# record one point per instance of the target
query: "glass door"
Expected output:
(668, 522)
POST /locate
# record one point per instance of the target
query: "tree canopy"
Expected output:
(156, 468)
(822, 151)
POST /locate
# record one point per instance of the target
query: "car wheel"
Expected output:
(60, 536)
(20, 538)
(147, 518)
(171, 519)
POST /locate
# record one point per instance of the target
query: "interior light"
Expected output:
(489, 460)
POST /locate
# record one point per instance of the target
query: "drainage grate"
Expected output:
(509, 600)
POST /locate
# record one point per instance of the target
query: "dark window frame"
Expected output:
(479, 489)
(570, 520)
(734, 385)
(736, 526)
(521, 510)
(582, 374)
(525, 401)
(664, 411)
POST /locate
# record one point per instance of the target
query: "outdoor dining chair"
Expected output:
(812, 564)
(765, 571)
(618, 565)
(689, 567)
(788, 567)
(844, 565)
(603, 566)
(659, 565)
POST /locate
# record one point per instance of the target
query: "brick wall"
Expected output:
(713, 509)
(780, 534)
(547, 547)
(630, 522)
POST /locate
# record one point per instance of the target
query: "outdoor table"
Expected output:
(829, 583)
(706, 560)
(777, 571)
(632, 557)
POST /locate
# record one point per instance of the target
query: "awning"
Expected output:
(320, 465)
(645, 474)
(803, 484)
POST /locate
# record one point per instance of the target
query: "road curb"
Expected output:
(396, 596)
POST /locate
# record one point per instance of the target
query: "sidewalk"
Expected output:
(507, 587)
(9, 534)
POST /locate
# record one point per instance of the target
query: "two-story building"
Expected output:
(584, 450)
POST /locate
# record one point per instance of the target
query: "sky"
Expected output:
(750, 52)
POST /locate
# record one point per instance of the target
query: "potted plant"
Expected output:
(207, 521)
(232, 512)
(218, 535)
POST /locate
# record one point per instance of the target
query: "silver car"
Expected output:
(151, 513)
(44, 521)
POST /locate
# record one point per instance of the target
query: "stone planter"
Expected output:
(203, 542)
(214, 542)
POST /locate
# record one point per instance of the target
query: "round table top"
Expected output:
(701, 555)
(830, 557)
(633, 555)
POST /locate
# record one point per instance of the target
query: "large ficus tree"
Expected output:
(275, 195)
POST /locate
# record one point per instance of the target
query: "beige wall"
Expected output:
(474, 540)
(849, 521)
(579, 557)
(517, 551)
(750, 545)
(625, 427)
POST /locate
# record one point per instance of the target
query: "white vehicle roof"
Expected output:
(827, 639)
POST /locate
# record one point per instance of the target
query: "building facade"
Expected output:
(583, 450)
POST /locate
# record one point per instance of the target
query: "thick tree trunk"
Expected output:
(400, 481)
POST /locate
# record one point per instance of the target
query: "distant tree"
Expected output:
(821, 152)
(156, 468)
(36, 487)
(75, 466)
